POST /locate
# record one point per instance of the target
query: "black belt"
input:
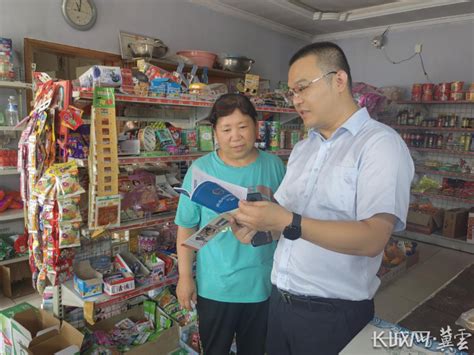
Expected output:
(315, 303)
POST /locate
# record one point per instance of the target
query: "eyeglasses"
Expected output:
(297, 91)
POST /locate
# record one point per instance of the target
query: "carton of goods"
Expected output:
(6, 336)
(455, 223)
(118, 282)
(424, 218)
(470, 227)
(101, 76)
(87, 281)
(156, 341)
(127, 263)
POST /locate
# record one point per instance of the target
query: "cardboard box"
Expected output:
(455, 223)
(65, 341)
(124, 260)
(30, 324)
(124, 284)
(100, 75)
(162, 345)
(16, 279)
(87, 281)
(424, 222)
(6, 336)
(470, 227)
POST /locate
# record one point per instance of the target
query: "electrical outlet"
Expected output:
(418, 48)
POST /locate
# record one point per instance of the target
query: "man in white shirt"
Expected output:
(346, 189)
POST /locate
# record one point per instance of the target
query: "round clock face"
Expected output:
(80, 14)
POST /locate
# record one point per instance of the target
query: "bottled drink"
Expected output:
(11, 112)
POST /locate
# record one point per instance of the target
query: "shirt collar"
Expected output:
(356, 121)
(353, 124)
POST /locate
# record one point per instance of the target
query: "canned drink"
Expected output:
(294, 138)
(262, 138)
(283, 139)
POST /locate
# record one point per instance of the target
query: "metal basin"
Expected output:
(237, 64)
(148, 49)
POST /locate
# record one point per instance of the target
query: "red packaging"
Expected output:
(428, 89)
(427, 97)
(444, 87)
(416, 92)
(127, 81)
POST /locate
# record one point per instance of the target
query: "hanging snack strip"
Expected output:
(51, 192)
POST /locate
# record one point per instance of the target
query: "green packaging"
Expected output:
(206, 143)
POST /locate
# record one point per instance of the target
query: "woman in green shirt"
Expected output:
(232, 284)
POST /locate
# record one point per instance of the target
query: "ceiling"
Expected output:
(309, 19)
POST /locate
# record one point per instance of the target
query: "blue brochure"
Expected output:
(213, 196)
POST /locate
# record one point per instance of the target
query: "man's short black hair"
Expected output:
(228, 103)
(330, 57)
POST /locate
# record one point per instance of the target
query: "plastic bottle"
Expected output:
(11, 112)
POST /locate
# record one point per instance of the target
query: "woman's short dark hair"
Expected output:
(228, 103)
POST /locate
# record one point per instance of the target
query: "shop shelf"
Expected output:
(146, 222)
(87, 95)
(71, 298)
(158, 159)
(14, 260)
(11, 128)
(8, 171)
(408, 102)
(15, 85)
(137, 160)
(436, 239)
(445, 173)
(427, 129)
(168, 65)
(11, 215)
(444, 151)
(444, 197)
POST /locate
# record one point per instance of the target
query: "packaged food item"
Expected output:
(100, 75)
(71, 117)
(44, 187)
(69, 210)
(68, 185)
(69, 235)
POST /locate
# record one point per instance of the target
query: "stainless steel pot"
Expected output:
(237, 64)
(148, 49)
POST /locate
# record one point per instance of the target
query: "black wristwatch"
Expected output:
(293, 230)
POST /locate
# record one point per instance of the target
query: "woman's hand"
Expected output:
(186, 292)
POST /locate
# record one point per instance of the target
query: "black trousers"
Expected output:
(220, 321)
(313, 325)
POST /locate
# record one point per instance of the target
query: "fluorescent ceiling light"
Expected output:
(383, 10)
(330, 16)
(397, 8)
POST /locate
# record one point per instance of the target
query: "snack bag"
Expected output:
(69, 210)
(69, 235)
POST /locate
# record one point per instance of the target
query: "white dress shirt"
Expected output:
(364, 169)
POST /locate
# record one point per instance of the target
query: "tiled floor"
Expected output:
(436, 267)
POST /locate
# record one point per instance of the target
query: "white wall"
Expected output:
(179, 23)
(448, 54)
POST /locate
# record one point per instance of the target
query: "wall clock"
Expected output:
(80, 14)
